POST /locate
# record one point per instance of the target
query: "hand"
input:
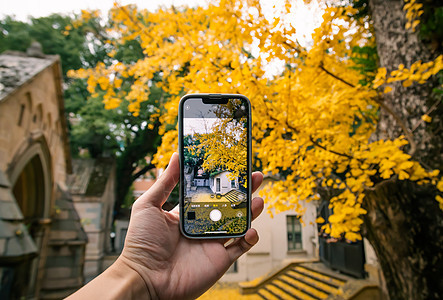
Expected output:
(172, 266)
(158, 262)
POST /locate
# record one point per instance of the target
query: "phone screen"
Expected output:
(215, 168)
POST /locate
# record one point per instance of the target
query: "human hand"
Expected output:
(172, 266)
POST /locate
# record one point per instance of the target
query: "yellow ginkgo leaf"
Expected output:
(407, 83)
(387, 89)
(320, 220)
(426, 118)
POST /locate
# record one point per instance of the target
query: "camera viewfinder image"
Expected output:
(215, 167)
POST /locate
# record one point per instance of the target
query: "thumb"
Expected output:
(242, 245)
(162, 188)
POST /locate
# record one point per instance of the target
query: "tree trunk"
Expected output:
(144, 144)
(404, 223)
(395, 46)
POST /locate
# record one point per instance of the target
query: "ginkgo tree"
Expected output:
(326, 121)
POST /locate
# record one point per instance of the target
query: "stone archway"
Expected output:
(33, 164)
(29, 191)
(31, 181)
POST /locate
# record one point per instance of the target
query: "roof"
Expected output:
(81, 173)
(218, 172)
(16, 69)
(90, 176)
(15, 241)
(66, 228)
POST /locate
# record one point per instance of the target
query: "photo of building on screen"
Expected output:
(201, 186)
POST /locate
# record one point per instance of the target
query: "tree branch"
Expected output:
(433, 107)
(386, 107)
(322, 67)
(400, 123)
(310, 137)
(321, 146)
(329, 150)
(142, 171)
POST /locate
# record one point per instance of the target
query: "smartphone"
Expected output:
(215, 165)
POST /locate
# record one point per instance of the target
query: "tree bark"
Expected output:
(144, 144)
(404, 223)
(395, 46)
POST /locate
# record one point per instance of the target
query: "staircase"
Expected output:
(300, 282)
(234, 196)
(305, 281)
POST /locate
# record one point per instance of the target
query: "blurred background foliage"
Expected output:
(94, 131)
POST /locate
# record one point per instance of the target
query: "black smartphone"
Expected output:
(215, 165)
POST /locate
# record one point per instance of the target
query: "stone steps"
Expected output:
(301, 283)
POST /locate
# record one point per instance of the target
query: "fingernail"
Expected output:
(172, 156)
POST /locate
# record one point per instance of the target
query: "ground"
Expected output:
(224, 291)
(204, 194)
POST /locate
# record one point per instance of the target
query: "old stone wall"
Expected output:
(35, 160)
(31, 112)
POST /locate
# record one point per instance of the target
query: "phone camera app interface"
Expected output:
(215, 167)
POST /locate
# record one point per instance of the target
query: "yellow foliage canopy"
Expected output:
(312, 121)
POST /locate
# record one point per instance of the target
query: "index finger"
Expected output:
(162, 188)
(257, 179)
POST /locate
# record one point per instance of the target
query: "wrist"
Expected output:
(119, 281)
(132, 284)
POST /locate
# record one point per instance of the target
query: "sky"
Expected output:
(305, 17)
(198, 125)
(40, 8)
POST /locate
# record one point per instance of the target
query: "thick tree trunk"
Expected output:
(405, 226)
(144, 144)
(404, 223)
(395, 46)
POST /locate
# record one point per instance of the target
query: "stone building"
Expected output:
(42, 242)
(92, 186)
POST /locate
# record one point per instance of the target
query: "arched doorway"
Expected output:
(32, 188)
(29, 191)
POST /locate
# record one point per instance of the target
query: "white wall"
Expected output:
(225, 183)
(272, 249)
